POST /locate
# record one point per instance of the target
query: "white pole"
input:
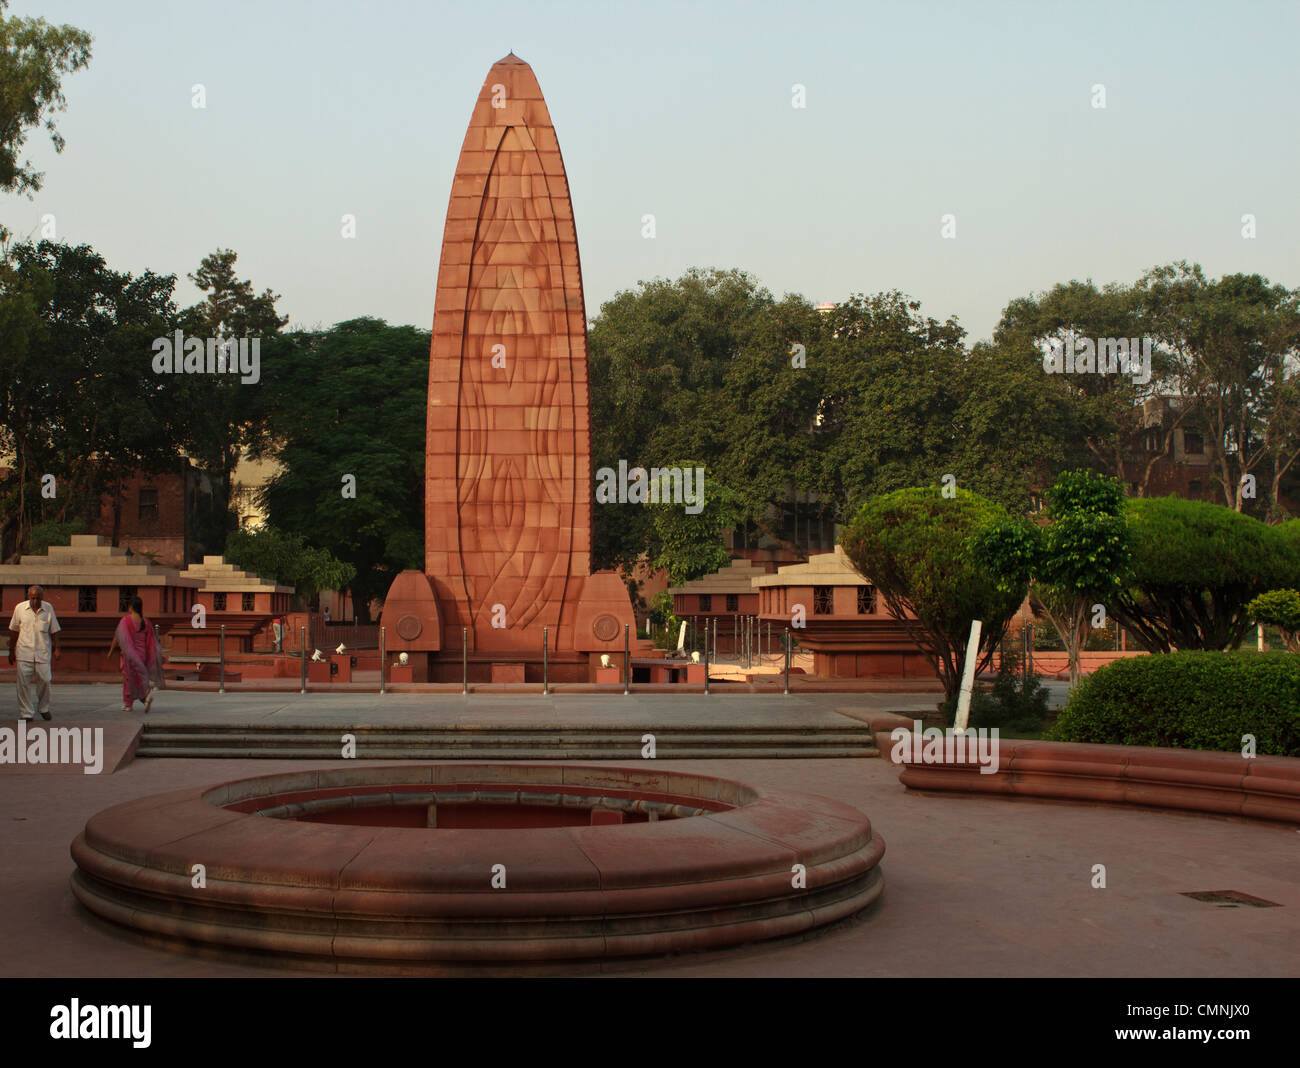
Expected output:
(1259, 636)
(968, 677)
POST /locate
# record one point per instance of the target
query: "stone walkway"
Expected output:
(98, 703)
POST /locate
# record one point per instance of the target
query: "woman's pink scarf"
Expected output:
(139, 670)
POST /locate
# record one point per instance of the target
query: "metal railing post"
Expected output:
(383, 660)
(627, 663)
(546, 681)
(221, 686)
(787, 661)
(464, 660)
(302, 685)
(706, 657)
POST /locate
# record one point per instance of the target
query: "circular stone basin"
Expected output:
(386, 869)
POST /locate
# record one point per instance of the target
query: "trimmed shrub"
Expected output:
(1192, 700)
(1281, 609)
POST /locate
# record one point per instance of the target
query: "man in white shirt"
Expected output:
(33, 638)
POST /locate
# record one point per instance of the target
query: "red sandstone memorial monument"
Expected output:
(508, 481)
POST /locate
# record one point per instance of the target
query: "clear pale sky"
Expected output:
(683, 110)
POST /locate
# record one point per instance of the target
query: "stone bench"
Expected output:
(1193, 780)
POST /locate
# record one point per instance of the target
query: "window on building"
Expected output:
(1193, 443)
(218, 602)
(823, 600)
(1194, 487)
(866, 600)
(148, 503)
(125, 595)
(246, 602)
(87, 599)
(706, 602)
(733, 602)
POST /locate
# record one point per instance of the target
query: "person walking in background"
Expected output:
(140, 663)
(33, 638)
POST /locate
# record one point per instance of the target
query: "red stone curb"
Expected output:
(1264, 787)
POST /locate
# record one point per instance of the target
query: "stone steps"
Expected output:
(500, 743)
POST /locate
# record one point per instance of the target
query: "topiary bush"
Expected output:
(1192, 700)
(1281, 609)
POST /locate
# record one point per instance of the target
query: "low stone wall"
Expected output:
(404, 899)
(1228, 784)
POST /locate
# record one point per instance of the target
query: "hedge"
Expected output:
(1191, 700)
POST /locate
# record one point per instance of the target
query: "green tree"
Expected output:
(34, 57)
(1098, 418)
(1195, 569)
(1281, 609)
(79, 399)
(690, 545)
(1235, 347)
(660, 357)
(1076, 560)
(917, 547)
(888, 388)
(288, 560)
(230, 415)
(350, 400)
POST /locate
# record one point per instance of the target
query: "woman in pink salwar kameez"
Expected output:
(140, 662)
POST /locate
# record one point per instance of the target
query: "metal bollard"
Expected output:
(464, 660)
(627, 663)
(383, 660)
(787, 661)
(706, 658)
(302, 686)
(221, 686)
(546, 684)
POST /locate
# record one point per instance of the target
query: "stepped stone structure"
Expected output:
(508, 478)
(847, 627)
(91, 584)
(238, 599)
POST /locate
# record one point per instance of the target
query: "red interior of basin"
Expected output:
(482, 806)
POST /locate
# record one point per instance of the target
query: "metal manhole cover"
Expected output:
(1230, 899)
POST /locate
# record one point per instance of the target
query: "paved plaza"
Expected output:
(973, 886)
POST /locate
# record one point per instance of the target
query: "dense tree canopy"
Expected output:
(350, 401)
(79, 400)
(1195, 569)
(288, 560)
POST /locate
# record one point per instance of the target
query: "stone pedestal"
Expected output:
(344, 670)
